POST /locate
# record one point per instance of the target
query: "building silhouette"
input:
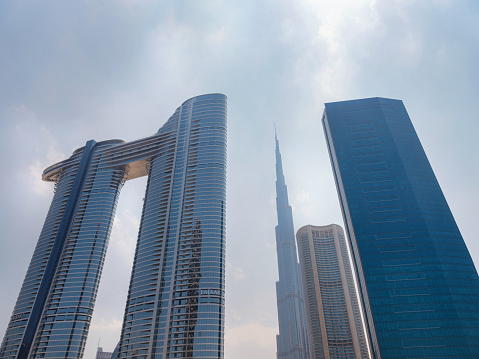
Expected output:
(291, 341)
(333, 318)
(100, 354)
(175, 302)
(417, 281)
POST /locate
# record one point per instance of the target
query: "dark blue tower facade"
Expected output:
(291, 341)
(418, 283)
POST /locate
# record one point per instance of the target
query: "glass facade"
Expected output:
(335, 329)
(292, 340)
(180, 245)
(175, 304)
(418, 283)
(53, 311)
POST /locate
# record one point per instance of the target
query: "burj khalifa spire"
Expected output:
(292, 340)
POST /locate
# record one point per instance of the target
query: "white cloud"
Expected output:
(302, 197)
(23, 112)
(217, 37)
(44, 146)
(239, 273)
(38, 186)
(103, 325)
(123, 235)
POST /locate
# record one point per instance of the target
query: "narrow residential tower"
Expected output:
(335, 329)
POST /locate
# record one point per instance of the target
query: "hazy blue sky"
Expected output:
(71, 71)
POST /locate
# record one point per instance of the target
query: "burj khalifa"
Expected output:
(292, 340)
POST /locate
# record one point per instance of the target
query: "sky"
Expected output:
(75, 71)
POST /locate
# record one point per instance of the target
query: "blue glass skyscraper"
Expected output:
(292, 340)
(418, 283)
(175, 305)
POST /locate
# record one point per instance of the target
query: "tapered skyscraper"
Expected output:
(291, 341)
(175, 305)
(417, 281)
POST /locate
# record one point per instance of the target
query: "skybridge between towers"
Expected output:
(133, 158)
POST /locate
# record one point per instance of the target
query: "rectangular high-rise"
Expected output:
(175, 305)
(418, 283)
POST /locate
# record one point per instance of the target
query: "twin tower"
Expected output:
(175, 303)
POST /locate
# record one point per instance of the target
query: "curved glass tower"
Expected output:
(291, 341)
(176, 300)
(175, 305)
